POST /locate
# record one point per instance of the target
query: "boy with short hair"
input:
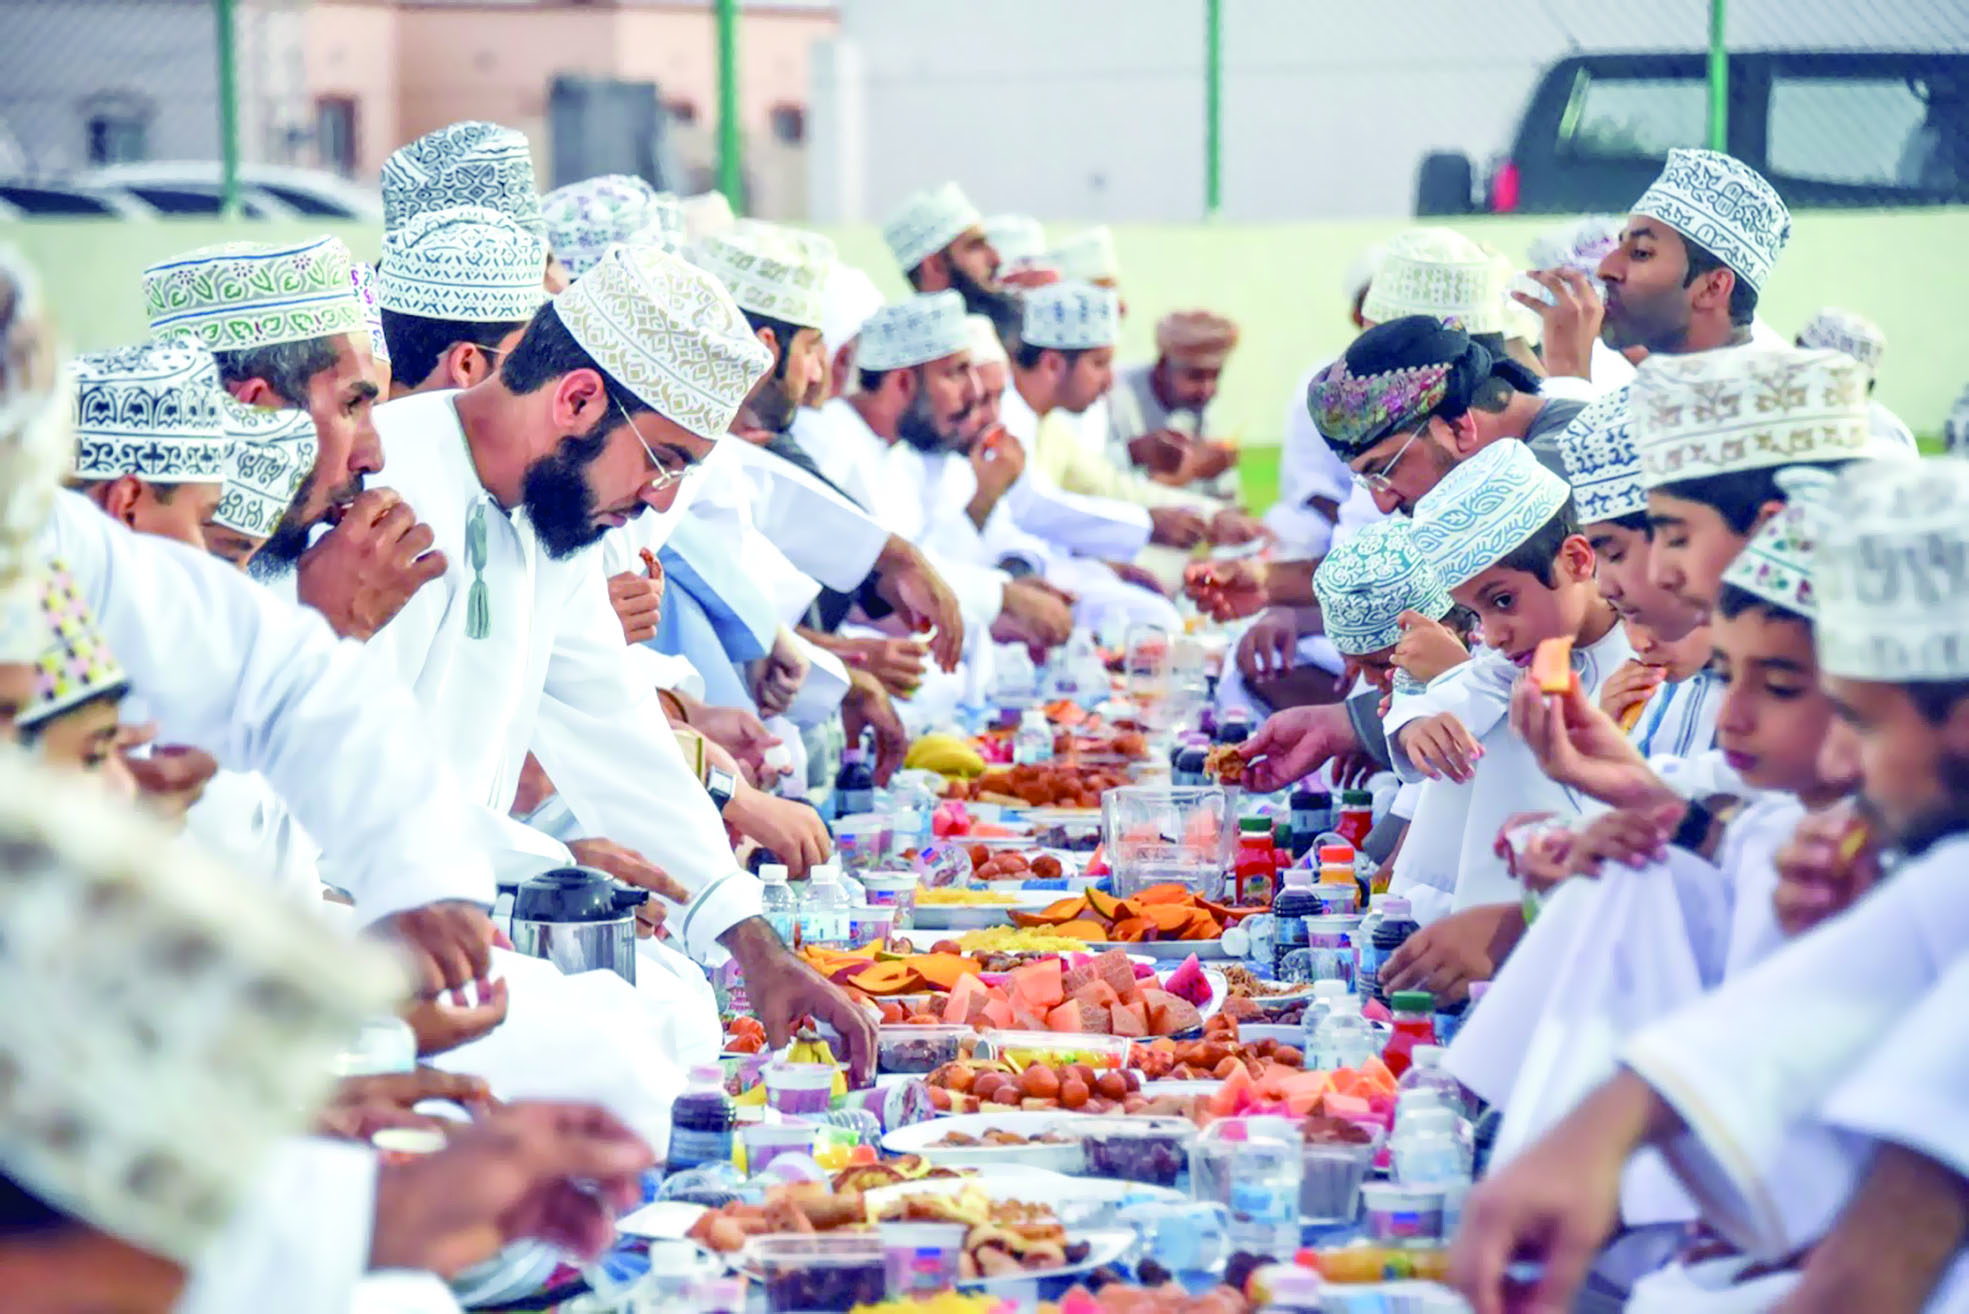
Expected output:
(71, 721)
(1501, 534)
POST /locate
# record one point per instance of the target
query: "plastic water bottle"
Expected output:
(1034, 741)
(1426, 1072)
(1429, 1148)
(1343, 1038)
(1324, 993)
(778, 904)
(824, 920)
(1254, 1167)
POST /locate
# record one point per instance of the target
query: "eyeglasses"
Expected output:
(1376, 481)
(665, 476)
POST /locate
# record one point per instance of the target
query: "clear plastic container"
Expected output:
(766, 1141)
(1153, 1151)
(1022, 1047)
(778, 904)
(1182, 836)
(1254, 1167)
(1032, 744)
(1334, 1171)
(919, 1049)
(830, 1271)
(824, 915)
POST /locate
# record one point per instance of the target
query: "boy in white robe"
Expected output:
(1734, 1087)
(1500, 532)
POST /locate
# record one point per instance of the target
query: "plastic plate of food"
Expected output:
(973, 1140)
(1166, 950)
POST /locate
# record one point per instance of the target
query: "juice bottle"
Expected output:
(701, 1121)
(1293, 904)
(1396, 925)
(1415, 1024)
(854, 784)
(1254, 870)
(1338, 891)
(1312, 812)
(1356, 816)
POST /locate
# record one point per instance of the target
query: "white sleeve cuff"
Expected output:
(718, 907)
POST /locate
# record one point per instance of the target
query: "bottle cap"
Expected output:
(1356, 798)
(1392, 905)
(1298, 878)
(1337, 854)
(852, 753)
(773, 871)
(1412, 1001)
(1310, 792)
(1254, 826)
(707, 1074)
(1426, 1056)
(1329, 988)
(825, 873)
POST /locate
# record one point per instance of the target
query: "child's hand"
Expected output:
(1630, 686)
(1632, 837)
(1829, 861)
(1440, 746)
(1427, 648)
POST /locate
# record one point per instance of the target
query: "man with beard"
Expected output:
(1775, 1129)
(890, 440)
(938, 239)
(286, 330)
(1157, 408)
(617, 390)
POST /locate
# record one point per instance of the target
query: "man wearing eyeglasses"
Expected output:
(617, 389)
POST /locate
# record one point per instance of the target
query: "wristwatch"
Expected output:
(721, 785)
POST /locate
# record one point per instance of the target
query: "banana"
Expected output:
(947, 755)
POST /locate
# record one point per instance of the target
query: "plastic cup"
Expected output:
(861, 842)
(766, 1141)
(921, 1258)
(894, 889)
(870, 923)
(801, 1090)
(1331, 1189)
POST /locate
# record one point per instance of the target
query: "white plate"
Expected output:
(978, 916)
(1055, 816)
(1151, 1089)
(1252, 1032)
(920, 1137)
(1164, 951)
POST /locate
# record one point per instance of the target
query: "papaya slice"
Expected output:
(888, 979)
(1205, 927)
(1104, 906)
(1171, 920)
(1082, 929)
(942, 971)
(1132, 929)
(1167, 892)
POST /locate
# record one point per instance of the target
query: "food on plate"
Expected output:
(1159, 912)
(1551, 665)
(951, 896)
(1169, 1298)
(1370, 1262)
(1224, 765)
(944, 1302)
(1244, 984)
(998, 1086)
(745, 1035)
(903, 1048)
(1102, 995)
(1009, 865)
(1016, 939)
(1212, 1058)
(1042, 785)
(965, 1141)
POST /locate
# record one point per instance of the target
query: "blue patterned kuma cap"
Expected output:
(273, 451)
(1071, 317)
(586, 218)
(1602, 461)
(1485, 509)
(1371, 579)
(1722, 205)
(151, 411)
(470, 163)
(915, 332)
(467, 264)
(1842, 330)
(927, 222)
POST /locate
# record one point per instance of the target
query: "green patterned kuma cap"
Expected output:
(669, 332)
(254, 294)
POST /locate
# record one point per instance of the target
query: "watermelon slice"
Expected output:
(967, 1001)
(1129, 1019)
(1113, 967)
(1188, 982)
(1040, 985)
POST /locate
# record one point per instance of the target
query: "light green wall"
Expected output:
(1908, 271)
